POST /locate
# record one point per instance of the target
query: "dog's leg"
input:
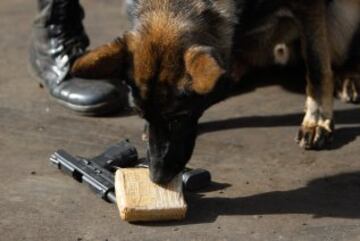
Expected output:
(348, 78)
(348, 85)
(317, 127)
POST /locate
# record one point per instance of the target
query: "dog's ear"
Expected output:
(105, 62)
(203, 65)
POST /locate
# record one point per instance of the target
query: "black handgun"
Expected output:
(98, 172)
(100, 180)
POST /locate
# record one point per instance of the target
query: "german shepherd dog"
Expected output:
(180, 57)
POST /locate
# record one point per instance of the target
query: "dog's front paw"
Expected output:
(348, 89)
(317, 136)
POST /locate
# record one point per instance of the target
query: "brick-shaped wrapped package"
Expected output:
(139, 199)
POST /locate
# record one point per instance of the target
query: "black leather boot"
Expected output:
(58, 38)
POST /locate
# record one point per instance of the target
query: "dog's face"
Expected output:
(168, 81)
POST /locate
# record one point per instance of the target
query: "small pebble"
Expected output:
(176, 229)
(33, 173)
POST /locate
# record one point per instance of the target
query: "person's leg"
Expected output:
(58, 38)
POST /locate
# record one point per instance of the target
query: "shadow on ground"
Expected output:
(334, 196)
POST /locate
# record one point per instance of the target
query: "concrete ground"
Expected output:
(267, 187)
